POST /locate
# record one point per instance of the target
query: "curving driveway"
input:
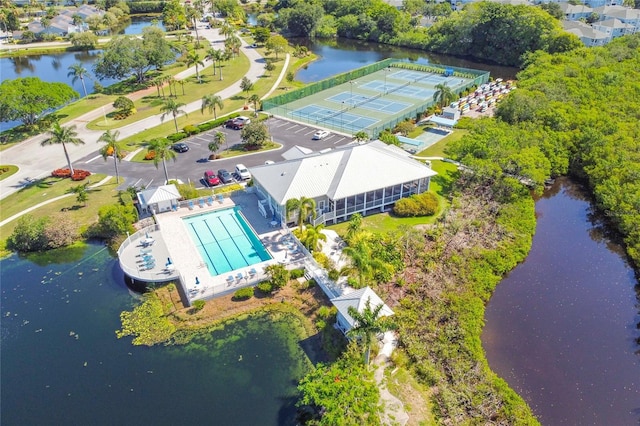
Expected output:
(35, 161)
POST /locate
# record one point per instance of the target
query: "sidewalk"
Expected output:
(35, 161)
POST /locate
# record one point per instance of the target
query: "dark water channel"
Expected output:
(561, 329)
(63, 365)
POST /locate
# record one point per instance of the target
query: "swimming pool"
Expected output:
(225, 240)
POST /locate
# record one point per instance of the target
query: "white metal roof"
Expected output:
(159, 194)
(358, 300)
(340, 173)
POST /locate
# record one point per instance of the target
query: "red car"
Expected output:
(211, 178)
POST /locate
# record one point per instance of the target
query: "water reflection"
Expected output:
(341, 55)
(562, 329)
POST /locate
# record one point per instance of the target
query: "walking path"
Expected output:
(393, 412)
(48, 158)
(44, 203)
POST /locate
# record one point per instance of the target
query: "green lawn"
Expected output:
(49, 188)
(7, 170)
(386, 222)
(437, 149)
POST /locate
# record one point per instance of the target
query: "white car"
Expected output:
(320, 134)
(242, 172)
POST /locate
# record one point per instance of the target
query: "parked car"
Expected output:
(269, 162)
(242, 172)
(211, 179)
(320, 134)
(240, 122)
(225, 176)
(180, 147)
(229, 122)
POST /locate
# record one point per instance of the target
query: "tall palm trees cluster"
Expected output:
(59, 135)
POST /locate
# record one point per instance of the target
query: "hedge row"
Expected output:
(194, 130)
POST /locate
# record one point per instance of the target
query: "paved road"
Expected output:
(191, 165)
(35, 161)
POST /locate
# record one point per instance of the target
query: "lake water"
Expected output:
(62, 363)
(561, 328)
(342, 55)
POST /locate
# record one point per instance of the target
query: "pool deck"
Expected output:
(172, 240)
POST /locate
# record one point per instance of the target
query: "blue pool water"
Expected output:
(225, 240)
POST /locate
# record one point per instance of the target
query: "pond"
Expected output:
(54, 67)
(61, 359)
(562, 327)
(342, 55)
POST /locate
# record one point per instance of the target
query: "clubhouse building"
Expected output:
(366, 179)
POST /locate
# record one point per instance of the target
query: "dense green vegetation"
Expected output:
(488, 31)
(574, 113)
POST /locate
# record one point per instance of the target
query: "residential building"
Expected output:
(365, 179)
(614, 27)
(586, 33)
(625, 15)
(574, 12)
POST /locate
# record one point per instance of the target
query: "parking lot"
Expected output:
(190, 166)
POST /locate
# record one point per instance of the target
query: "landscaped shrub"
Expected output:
(175, 137)
(425, 204)
(334, 274)
(124, 106)
(265, 286)
(322, 259)
(243, 293)
(198, 305)
(62, 173)
(296, 273)
(190, 129)
(150, 155)
(65, 173)
(80, 175)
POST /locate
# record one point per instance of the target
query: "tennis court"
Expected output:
(372, 98)
(404, 90)
(373, 103)
(330, 117)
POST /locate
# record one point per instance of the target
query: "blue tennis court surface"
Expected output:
(225, 241)
(373, 103)
(404, 90)
(338, 118)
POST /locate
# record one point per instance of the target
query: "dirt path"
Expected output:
(394, 412)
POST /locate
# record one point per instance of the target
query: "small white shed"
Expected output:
(160, 199)
(358, 300)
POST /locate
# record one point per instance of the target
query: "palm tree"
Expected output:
(63, 136)
(368, 325)
(170, 106)
(77, 71)
(162, 150)
(194, 15)
(219, 138)
(227, 30)
(303, 207)
(355, 223)
(233, 44)
(312, 236)
(111, 138)
(211, 102)
(195, 59)
(254, 99)
(443, 95)
(214, 145)
(216, 56)
(362, 259)
(361, 136)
